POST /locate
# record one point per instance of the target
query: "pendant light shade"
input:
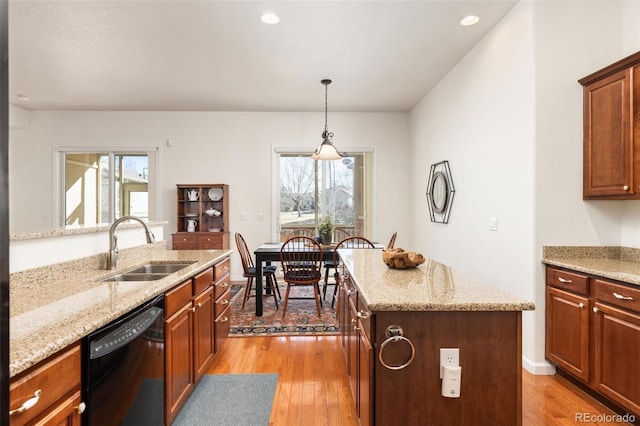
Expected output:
(326, 150)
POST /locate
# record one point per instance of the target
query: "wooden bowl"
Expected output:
(399, 258)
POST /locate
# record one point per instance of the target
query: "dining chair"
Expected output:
(269, 272)
(349, 242)
(301, 259)
(392, 241)
(340, 234)
(305, 232)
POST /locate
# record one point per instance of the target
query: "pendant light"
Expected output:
(326, 150)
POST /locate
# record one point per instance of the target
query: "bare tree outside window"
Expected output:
(312, 189)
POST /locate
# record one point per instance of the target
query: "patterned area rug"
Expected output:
(301, 318)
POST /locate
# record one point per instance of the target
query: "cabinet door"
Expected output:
(352, 349)
(567, 340)
(365, 381)
(203, 332)
(222, 325)
(617, 350)
(178, 360)
(608, 137)
(67, 412)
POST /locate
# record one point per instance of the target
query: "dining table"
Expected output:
(270, 252)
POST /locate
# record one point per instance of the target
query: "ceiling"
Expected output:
(188, 55)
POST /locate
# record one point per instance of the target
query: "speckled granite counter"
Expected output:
(431, 286)
(51, 308)
(616, 263)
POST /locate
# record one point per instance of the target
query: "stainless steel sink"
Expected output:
(150, 272)
(131, 276)
(159, 268)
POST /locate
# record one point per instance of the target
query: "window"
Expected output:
(101, 186)
(310, 190)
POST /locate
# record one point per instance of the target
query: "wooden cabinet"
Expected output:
(617, 343)
(567, 319)
(189, 338)
(355, 327)
(611, 131)
(222, 298)
(593, 333)
(49, 393)
(202, 217)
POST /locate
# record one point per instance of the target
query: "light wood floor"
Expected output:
(313, 388)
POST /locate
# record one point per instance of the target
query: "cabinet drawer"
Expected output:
(54, 378)
(177, 297)
(210, 241)
(221, 303)
(203, 280)
(220, 287)
(570, 281)
(618, 295)
(184, 241)
(221, 269)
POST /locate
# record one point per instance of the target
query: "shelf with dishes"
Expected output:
(202, 209)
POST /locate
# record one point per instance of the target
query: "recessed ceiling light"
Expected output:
(270, 18)
(23, 98)
(469, 20)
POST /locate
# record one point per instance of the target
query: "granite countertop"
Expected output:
(431, 286)
(616, 263)
(51, 308)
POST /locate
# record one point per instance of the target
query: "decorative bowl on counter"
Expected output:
(399, 258)
(213, 212)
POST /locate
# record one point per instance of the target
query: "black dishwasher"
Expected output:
(123, 380)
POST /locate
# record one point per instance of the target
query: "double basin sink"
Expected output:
(149, 272)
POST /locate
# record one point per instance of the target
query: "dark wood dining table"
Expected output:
(270, 252)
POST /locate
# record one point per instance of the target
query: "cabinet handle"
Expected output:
(564, 280)
(363, 314)
(224, 319)
(350, 292)
(225, 302)
(354, 322)
(595, 310)
(581, 305)
(193, 309)
(625, 188)
(621, 297)
(199, 304)
(29, 403)
(225, 284)
(81, 407)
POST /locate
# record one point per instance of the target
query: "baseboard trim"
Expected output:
(538, 368)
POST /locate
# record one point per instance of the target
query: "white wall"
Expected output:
(214, 147)
(508, 117)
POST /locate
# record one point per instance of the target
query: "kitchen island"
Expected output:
(394, 323)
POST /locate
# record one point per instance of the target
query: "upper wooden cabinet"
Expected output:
(612, 131)
(203, 217)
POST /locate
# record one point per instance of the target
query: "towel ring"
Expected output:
(395, 334)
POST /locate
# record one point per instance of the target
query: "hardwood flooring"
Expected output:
(313, 388)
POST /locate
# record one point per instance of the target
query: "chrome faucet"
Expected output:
(112, 257)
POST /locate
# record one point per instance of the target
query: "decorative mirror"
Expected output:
(440, 192)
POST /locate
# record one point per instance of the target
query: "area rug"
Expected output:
(301, 317)
(230, 400)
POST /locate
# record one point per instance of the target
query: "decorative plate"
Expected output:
(191, 214)
(215, 194)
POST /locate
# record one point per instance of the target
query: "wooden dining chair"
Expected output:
(392, 241)
(269, 272)
(301, 259)
(349, 242)
(340, 234)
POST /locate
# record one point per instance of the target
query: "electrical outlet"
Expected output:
(449, 357)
